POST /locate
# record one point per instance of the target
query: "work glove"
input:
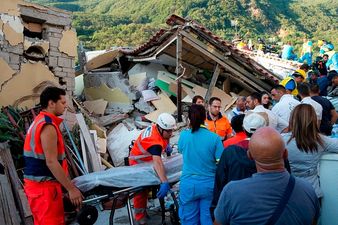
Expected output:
(168, 150)
(164, 188)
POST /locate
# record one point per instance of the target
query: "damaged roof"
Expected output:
(203, 50)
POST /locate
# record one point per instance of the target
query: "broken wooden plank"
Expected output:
(179, 73)
(110, 119)
(6, 158)
(106, 163)
(94, 160)
(222, 61)
(85, 155)
(213, 82)
(8, 211)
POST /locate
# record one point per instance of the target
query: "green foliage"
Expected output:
(9, 133)
(105, 23)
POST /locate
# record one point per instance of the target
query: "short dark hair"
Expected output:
(326, 55)
(212, 99)
(196, 97)
(197, 116)
(50, 93)
(237, 123)
(332, 73)
(304, 66)
(256, 95)
(314, 88)
(279, 87)
(304, 89)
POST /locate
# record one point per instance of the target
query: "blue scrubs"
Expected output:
(201, 150)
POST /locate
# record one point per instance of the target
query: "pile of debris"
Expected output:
(126, 103)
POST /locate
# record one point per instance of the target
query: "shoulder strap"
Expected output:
(283, 201)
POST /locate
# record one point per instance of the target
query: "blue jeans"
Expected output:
(195, 200)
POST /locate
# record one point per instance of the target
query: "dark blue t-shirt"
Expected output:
(323, 83)
(253, 201)
(325, 124)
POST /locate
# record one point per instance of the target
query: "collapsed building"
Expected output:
(182, 61)
(185, 55)
(121, 90)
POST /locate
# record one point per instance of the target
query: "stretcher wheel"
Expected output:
(87, 215)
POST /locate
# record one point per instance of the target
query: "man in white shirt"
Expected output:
(239, 109)
(253, 102)
(285, 102)
(304, 93)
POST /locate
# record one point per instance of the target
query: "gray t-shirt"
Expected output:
(305, 165)
(253, 201)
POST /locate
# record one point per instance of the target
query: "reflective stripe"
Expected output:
(138, 157)
(39, 178)
(32, 153)
(142, 149)
(32, 140)
(139, 210)
(42, 156)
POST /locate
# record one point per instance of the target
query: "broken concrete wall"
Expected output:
(112, 87)
(111, 79)
(151, 69)
(37, 35)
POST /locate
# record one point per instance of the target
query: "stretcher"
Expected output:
(114, 188)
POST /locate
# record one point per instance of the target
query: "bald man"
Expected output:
(254, 200)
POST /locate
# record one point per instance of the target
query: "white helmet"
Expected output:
(166, 121)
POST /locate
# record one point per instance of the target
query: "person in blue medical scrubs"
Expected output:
(201, 150)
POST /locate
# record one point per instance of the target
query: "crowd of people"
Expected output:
(320, 63)
(264, 145)
(236, 166)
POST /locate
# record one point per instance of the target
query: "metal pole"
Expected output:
(75, 148)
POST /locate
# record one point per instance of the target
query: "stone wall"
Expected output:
(37, 35)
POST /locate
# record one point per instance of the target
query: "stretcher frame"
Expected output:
(96, 199)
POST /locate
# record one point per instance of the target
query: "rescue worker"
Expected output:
(261, 46)
(215, 121)
(45, 162)
(288, 52)
(332, 62)
(290, 82)
(147, 148)
(306, 54)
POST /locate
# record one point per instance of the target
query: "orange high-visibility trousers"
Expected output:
(140, 206)
(45, 201)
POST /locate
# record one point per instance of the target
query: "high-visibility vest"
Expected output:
(221, 126)
(285, 81)
(149, 137)
(35, 160)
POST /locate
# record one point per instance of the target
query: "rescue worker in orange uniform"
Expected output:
(45, 162)
(216, 122)
(148, 148)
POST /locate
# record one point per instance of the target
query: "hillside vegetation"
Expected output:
(101, 24)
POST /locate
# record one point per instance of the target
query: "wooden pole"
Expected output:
(213, 82)
(178, 73)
